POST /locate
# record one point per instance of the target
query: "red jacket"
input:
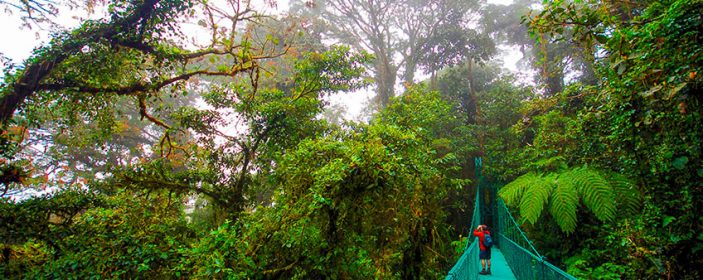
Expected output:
(481, 235)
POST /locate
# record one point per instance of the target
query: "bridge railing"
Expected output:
(468, 267)
(520, 254)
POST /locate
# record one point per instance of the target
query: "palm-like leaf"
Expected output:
(512, 192)
(564, 190)
(534, 199)
(596, 192)
(563, 205)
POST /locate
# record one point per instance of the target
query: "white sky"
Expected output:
(20, 41)
(23, 40)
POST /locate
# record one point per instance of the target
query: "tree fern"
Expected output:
(596, 192)
(565, 200)
(534, 199)
(512, 192)
(564, 190)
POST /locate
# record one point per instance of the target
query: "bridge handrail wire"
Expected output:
(467, 267)
(475, 218)
(513, 228)
(525, 264)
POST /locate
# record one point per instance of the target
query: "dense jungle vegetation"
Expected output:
(201, 139)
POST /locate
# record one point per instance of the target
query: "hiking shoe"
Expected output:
(488, 271)
(484, 272)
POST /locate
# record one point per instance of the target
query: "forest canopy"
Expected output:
(200, 139)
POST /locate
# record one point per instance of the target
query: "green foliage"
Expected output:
(210, 256)
(17, 259)
(115, 248)
(359, 203)
(580, 268)
(334, 70)
(552, 134)
(534, 199)
(616, 249)
(501, 103)
(512, 193)
(459, 245)
(44, 218)
(598, 194)
(565, 200)
(116, 239)
(628, 196)
(564, 191)
(452, 45)
(643, 118)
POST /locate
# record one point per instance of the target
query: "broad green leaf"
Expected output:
(668, 220)
(680, 162)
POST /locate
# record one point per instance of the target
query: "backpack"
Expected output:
(487, 241)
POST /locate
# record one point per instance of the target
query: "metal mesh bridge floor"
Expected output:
(499, 267)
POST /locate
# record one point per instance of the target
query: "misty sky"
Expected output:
(18, 43)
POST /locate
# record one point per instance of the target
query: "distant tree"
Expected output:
(395, 32)
(73, 92)
(452, 45)
(556, 61)
(364, 202)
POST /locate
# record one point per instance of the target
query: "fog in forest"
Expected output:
(351, 139)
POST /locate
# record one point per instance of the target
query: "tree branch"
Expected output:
(28, 82)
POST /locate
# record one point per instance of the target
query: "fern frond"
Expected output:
(627, 196)
(564, 202)
(597, 193)
(512, 192)
(534, 199)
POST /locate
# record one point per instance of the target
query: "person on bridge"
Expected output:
(485, 253)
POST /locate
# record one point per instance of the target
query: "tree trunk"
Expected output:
(27, 85)
(29, 81)
(433, 81)
(474, 114)
(409, 75)
(385, 80)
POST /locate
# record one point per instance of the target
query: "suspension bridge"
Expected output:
(513, 255)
